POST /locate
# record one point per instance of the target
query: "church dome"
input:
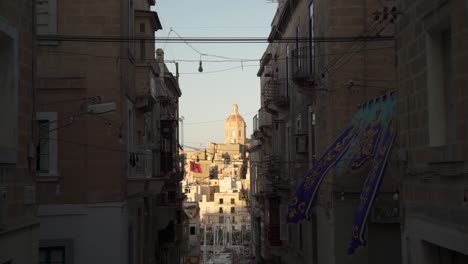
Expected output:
(235, 117)
(234, 127)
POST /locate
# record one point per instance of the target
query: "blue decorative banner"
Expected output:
(356, 147)
(363, 147)
(371, 188)
(306, 193)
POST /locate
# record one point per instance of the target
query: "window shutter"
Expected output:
(284, 232)
(46, 17)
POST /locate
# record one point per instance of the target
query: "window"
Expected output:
(192, 230)
(233, 133)
(441, 94)
(220, 210)
(284, 227)
(131, 29)
(220, 200)
(142, 51)
(43, 157)
(52, 255)
(312, 135)
(233, 210)
(130, 141)
(130, 247)
(233, 201)
(9, 76)
(142, 27)
(288, 68)
(221, 219)
(298, 54)
(46, 17)
(47, 144)
(311, 36)
(298, 124)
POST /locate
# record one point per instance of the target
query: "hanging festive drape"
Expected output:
(364, 145)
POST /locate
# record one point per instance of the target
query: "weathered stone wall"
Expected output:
(18, 225)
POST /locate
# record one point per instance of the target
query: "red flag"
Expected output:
(195, 167)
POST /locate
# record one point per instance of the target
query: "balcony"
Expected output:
(255, 144)
(302, 67)
(255, 123)
(144, 167)
(265, 119)
(169, 107)
(273, 169)
(164, 200)
(169, 158)
(275, 93)
(146, 85)
(141, 162)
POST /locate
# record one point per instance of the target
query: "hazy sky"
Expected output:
(207, 97)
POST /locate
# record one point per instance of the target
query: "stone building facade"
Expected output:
(107, 181)
(19, 228)
(432, 37)
(309, 92)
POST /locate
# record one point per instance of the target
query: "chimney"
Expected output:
(160, 55)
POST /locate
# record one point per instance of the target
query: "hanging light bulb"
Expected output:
(396, 195)
(200, 68)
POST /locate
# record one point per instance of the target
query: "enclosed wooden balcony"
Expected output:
(276, 93)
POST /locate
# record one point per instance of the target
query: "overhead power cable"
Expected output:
(222, 70)
(342, 60)
(99, 147)
(214, 61)
(246, 40)
(219, 120)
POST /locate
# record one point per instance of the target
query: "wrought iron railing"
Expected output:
(302, 64)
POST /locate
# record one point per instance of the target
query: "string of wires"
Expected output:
(46, 49)
(220, 40)
(212, 61)
(375, 27)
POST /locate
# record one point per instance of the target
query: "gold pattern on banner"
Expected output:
(294, 201)
(292, 213)
(301, 207)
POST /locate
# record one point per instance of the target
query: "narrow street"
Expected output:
(234, 132)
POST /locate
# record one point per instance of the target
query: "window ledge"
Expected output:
(48, 43)
(47, 177)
